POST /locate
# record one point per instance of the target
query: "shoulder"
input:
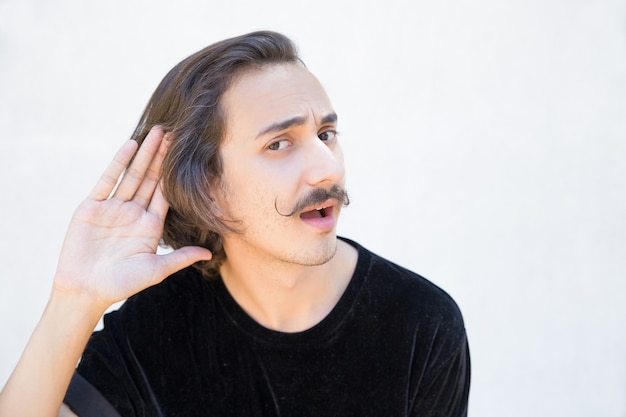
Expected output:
(183, 284)
(154, 333)
(178, 295)
(409, 295)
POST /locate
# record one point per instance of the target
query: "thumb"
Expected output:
(182, 258)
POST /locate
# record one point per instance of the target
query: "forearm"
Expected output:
(41, 377)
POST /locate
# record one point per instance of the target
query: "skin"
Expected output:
(286, 272)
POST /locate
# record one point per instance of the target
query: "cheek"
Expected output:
(249, 200)
(253, 186)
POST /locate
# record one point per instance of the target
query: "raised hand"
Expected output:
(109, 251)
(109, 254)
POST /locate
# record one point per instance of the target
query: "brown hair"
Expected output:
(186, 104)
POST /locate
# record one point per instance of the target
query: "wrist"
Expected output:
(79, 309)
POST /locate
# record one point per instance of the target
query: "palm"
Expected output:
(110, 249)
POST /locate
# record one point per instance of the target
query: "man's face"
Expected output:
(281, 150)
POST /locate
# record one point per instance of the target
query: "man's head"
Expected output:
(206, 169)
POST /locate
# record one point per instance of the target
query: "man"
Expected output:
(240, 171)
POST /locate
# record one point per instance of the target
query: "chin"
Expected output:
(315, 255)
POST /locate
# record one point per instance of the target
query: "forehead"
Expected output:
(273, 93)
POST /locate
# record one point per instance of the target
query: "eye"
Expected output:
(278, 145)
(327, 136)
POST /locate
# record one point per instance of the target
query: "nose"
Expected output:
(323, 162)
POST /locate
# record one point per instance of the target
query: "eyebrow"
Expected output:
(294, 121)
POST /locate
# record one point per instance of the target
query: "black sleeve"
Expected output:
(110, 374)
(143, 343)
(86, 401)
(445, 391)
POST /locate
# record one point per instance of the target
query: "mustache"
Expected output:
(316, 196)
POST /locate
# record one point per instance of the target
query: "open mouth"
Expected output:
(316, 214)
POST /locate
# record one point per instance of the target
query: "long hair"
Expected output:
(187, 104)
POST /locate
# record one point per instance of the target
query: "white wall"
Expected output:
(485, 145)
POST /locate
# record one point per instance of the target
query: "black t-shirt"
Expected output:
(394, 345)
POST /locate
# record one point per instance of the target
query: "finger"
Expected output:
(144, 194)
(106, 184)
(134, 175)
(179, 259)
(158, 204)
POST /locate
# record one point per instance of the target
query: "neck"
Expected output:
(286, 296)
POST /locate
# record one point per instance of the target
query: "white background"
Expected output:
(485, 144)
